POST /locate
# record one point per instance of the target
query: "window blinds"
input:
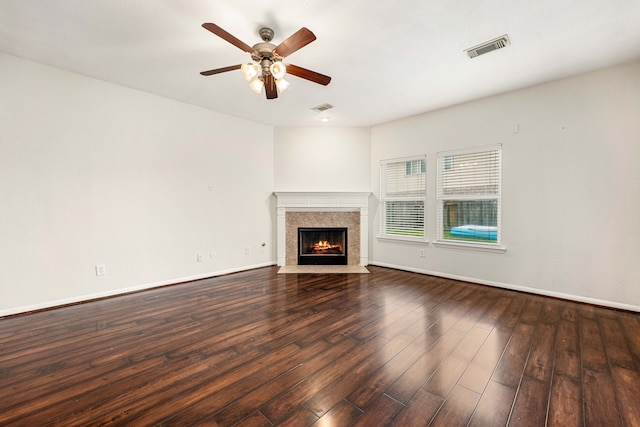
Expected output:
(469, 175)
(402, 196)
(469, 193)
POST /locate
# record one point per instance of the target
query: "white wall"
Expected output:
(93, 173)
(322, 159)
(571, 187)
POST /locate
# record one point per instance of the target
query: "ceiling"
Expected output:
(387, 60)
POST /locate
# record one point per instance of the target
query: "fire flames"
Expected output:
(326, 247)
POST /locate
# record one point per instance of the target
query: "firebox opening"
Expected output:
(322, 246)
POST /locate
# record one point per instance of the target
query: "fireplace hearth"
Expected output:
(322, 246)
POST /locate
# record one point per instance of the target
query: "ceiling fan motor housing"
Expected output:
(263, 53)
(262, 50)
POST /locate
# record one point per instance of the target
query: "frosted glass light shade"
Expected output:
(249, 71)
(282, 85)
(256, 85)
(278, 69)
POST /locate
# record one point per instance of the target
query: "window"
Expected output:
(402, 198)
(447, 163)
(469, 196)
(414, 167)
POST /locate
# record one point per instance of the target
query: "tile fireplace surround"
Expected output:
(322, 209)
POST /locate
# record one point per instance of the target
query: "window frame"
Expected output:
(446, 163)
(386, 197)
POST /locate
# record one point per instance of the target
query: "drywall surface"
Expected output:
(322, 159)
(97, 174)
(571, 187)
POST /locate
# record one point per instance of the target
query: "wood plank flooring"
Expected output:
(259, 348)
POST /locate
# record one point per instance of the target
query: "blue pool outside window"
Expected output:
(469, 196)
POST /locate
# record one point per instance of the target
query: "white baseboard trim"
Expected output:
(121, 291)
(577, 298)
(99, 295)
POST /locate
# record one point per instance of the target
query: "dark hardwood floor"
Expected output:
(258, 349)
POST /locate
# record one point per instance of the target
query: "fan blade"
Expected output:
(221, 70)
(312, 76)
(228, 37)
(299, 39)
(270, 86)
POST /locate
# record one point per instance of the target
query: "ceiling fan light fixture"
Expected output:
(268, 71)
(256, 85)
(249, 71)
(282, 85)
(278, 70)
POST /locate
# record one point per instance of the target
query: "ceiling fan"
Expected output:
(268, 70)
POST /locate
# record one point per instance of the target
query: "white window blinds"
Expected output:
(469, 195)
(402, 197)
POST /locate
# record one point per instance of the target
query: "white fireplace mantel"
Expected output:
(322, 202)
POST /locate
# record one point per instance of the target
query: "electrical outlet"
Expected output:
(247, 250)
(199, 257)
(421, 253)
(101, 270)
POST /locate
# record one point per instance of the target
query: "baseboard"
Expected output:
(570, 297)
(121, 291)
(100, 295)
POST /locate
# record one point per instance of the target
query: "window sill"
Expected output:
(404, 239)
(470, 246)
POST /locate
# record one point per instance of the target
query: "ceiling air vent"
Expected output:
(490, 46)
(322, 107)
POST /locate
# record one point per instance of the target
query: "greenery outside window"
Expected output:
(402, 198)
(469, 196)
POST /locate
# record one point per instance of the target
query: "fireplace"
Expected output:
(322, 209)
(322, 246)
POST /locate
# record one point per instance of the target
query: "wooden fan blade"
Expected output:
(270, 86)
(228, 37)
(299, 39)
(221, 70)
(312, 76)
